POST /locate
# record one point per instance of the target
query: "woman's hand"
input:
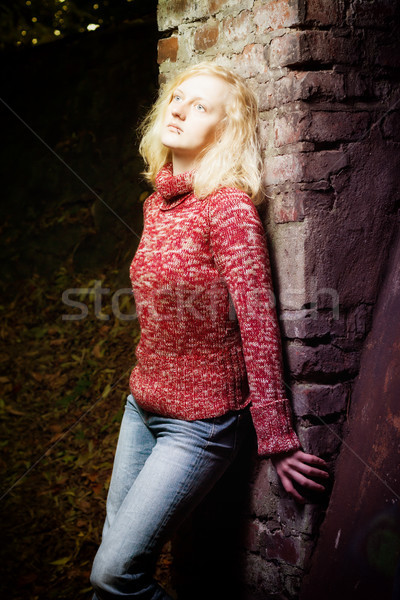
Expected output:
(302, 469)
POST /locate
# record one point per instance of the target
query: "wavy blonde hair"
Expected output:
(234, 161)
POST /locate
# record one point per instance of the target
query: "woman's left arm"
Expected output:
(240, 252)
(239, 248)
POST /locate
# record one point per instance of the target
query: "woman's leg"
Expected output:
(135, 443)
(185, 463)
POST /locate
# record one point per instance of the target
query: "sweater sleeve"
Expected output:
(239, 247)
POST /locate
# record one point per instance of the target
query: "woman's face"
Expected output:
(196, 109)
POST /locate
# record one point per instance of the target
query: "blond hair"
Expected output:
(234, 161)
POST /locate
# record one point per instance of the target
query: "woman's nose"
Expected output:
(179, 111)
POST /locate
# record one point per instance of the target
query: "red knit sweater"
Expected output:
(209, 336)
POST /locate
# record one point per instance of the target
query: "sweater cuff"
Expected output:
(272, 422)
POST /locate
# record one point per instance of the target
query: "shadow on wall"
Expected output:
(361, 532)
(70, 166)
(208, 548)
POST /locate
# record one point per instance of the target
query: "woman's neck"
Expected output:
(182, 164)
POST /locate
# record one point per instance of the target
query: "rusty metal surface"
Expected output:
(358, 552)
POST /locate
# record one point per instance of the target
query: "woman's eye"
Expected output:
(200, 107)
(177, 98)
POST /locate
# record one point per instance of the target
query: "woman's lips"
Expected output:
(174, 128)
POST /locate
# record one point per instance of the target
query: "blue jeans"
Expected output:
(163, 469)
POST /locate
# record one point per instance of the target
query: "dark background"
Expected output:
(71, 218)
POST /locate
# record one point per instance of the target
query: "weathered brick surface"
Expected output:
(289, 206)
(322, 12)
(320, 126)
(216, 5)
(280, 169)
(368, 14)
(391, 126)
(266, 488)
(322, 85)
(307, 86)
(323, 440)
(319, 400)
(250, 62)
(299, 167)
(262, 576)
(307, 47)
(237, 28)
(285, 548)
(312, 323)
(270, 16)
(387, 54)
(324, 360)
(206, 36)
(297, 518)
(287, 246)
(253, 531)
(167, 49)
(358, 322)
(330, 129)
(174, 13)
(321, 165)
(347, 247)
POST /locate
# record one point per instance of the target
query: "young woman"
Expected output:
(208, 361)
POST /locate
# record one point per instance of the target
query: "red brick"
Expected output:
(276, 14)
(322, 85)
(237, 28)
(289, 206)
(304, 166)
(359, 84)
(265, 490)
(252, 535)
(325, 359)
(291, 128)
(302, 518)
(285, 50)
(167, 49)
(321, 400)
(311, 85)
(337, 126)
(280, 547)
(250, 62)
(310, 323)
(283, 168)
(368, 14)
(206, 36)
(320, 165)
(319, 126)
(215, 5)
(321, 440)
(358, 322)
(303, 47)
(323, 12)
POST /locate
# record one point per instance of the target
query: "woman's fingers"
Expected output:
(288, 486)
(309, 458)
(301, 469)
(306, 482)
(300, 457)
(305, 469)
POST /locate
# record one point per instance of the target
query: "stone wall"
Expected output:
(325, 73)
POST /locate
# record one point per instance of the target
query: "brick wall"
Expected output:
(325, 74)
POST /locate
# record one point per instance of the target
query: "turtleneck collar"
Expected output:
(171, 186)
